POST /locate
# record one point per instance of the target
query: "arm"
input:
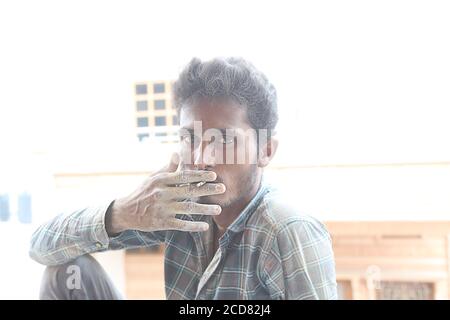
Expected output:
(71, 235)
(300, 264)
(137, 220)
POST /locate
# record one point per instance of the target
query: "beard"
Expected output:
(236, 190)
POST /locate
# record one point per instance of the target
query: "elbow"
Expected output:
(41, 257)
(36, 256)
(36, 251)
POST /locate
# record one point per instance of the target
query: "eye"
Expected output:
(183, 138)
(190, 140)
(186, 138)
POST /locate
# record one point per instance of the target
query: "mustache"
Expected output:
(218, 179)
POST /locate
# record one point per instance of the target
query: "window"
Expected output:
(160, 121)
(142, 122)
(4, 207)
(141, 89)
(143, 136)
(142, 105)
(24, 208)
(160, 104)
(175, 120)
(159, 88)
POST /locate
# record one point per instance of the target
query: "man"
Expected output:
(228, 235)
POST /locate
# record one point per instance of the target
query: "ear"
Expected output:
(267, 151)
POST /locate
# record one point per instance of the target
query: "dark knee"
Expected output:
(83, 263)
(58, 280)
(80, 279)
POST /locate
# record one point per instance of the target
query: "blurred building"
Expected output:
(15, 206)
(4, 207)
(156, 117)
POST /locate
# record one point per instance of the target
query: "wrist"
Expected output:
(114, 223)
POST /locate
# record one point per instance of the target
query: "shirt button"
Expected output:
(98, 245)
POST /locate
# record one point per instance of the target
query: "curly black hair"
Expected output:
(232, 78)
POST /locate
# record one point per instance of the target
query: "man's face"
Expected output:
(216, 136)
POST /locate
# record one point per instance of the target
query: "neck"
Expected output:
(231, 212)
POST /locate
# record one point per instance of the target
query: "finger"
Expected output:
(189, 226)
(189, 207)
(174, 162)
(188, 176)
(191, 191)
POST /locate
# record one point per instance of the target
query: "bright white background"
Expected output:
(359, 82)
(362, 81)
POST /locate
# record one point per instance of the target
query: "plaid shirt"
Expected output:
(269, 252)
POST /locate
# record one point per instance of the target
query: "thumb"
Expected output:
(174, 162)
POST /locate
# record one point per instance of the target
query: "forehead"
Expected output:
(220, 114)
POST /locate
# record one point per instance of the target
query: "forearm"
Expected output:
(70, 235)
(137, 220)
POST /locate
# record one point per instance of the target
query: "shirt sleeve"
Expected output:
(73, 234)
(300, 264)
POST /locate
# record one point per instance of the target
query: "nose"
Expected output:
(204, 156)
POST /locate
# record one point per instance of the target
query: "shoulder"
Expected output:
(281, 215)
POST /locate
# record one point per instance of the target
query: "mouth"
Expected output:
(201, 183)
